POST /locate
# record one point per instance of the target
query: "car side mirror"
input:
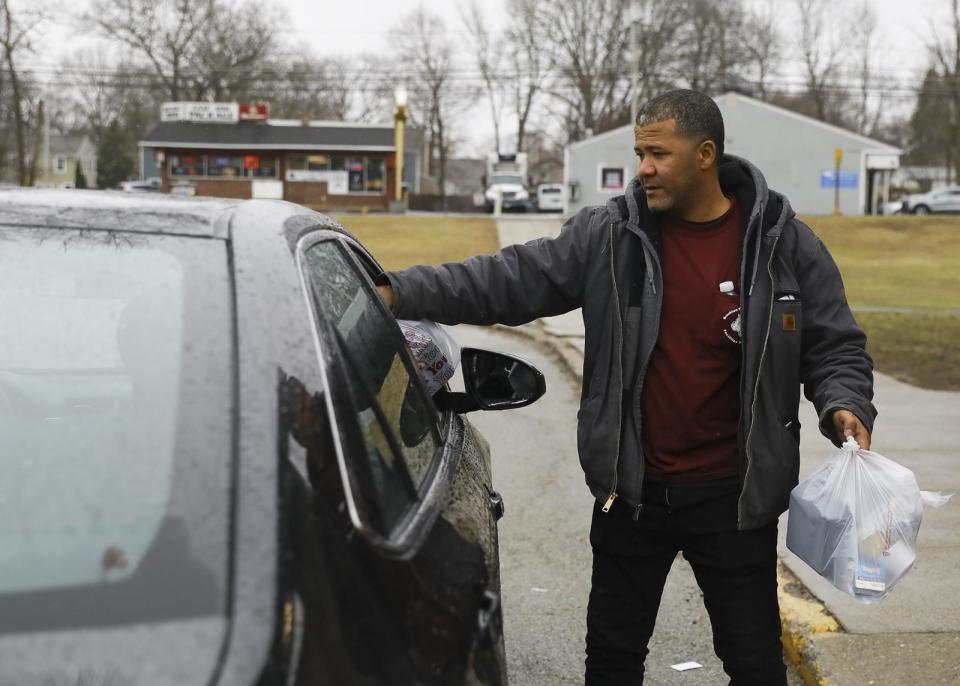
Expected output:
(493, 381)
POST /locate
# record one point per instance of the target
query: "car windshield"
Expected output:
(115, 417)
(507, 179)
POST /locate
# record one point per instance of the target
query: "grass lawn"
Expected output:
(904, 262)
(399, 242)
(899, 261)
(909, 262)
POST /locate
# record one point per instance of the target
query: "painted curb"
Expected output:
(802, 616)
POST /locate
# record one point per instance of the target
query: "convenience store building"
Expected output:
(234, 150)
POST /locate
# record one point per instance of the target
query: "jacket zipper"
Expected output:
(638, 391)
(744, 295)
(616, 297)
(756, 386)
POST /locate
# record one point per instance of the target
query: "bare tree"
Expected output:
(373, 79)
(240, 37)
(197, 49)
(872, 93)
(530, 54)
(654, 27)
(308, 88)
(761, 39)
(707, 48)
(488, 55)
(821, 55)
(15, 33)
(92, 88)
(589, 40)
(427, 56)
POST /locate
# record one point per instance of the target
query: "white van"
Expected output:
(550, 197)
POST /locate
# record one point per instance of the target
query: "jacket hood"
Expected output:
(737, 176)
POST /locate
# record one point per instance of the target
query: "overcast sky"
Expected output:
(344, 28)
(348, 27)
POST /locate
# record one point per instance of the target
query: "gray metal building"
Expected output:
(795, 153)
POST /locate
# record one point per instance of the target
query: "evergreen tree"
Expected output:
(79, 178)
(115, 162)
(930, 140)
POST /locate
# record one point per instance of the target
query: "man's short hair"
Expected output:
(695, 113)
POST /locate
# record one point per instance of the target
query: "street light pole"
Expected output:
(399, 119)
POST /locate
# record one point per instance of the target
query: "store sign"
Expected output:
(883, 161)
(208, 112)
(251, 162)
(254, 111)
(847, 179)
(337, 181)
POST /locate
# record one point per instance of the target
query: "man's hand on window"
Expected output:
(386, 292)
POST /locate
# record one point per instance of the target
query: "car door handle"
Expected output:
(496, 504)
(489, 613)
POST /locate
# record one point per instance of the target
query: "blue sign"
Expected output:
(828, 179)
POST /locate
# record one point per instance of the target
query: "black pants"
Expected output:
(736, 570)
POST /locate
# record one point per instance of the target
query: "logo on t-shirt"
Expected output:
(731, 328)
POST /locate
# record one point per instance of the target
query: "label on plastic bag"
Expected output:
(869, 578)
(434, 351)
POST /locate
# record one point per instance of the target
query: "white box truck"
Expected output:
(507, 182)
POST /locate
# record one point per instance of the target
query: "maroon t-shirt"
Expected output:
(691, 390)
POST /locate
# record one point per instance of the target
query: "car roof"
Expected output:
(116, 211)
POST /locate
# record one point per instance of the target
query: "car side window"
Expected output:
(399, 425)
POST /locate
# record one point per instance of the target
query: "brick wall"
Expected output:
(225, 188)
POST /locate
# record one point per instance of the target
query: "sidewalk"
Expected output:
(913, 636)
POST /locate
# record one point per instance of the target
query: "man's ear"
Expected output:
(706, 155)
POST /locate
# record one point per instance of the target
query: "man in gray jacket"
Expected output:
(706, 304)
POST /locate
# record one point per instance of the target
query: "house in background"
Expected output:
(59, 157)
(794, 152)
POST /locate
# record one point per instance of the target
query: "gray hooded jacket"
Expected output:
(796, 328)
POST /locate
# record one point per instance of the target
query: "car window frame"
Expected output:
(410, 532)
(372, 270)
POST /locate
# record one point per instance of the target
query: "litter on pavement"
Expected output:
(684, 666)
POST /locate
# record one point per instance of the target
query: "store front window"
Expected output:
(188, 165)
(259, 166)
(343, 174)
(356, 175)
(308, 162)
(225, 165)
(376, 175)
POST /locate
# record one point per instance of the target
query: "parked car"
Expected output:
(550, 197)
(144, 186)
(891, 207)
(220, 463)
(939, 200)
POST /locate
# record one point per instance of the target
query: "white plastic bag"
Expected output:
(434, 350)
(855, 521)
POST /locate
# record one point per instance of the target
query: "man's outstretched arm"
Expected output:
(516, 285)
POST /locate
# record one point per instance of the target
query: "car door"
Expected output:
(940, 201)
(417, 490)
(951, 201)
